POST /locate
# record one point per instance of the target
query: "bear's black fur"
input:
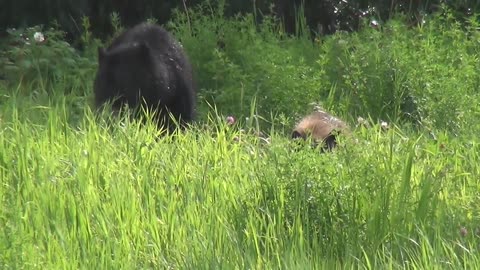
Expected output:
(145, 65)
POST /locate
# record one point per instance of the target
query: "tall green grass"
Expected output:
(112, 194)
(81, 191)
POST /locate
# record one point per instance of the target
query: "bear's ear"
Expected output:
(101, 54)
(143, 49)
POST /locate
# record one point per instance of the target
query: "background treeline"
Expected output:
(321, 16)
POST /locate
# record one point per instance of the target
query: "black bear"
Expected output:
(322, 128)
(146, 67)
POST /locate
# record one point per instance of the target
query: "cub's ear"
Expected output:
(296, 134)
(101, 54)
(330, 142)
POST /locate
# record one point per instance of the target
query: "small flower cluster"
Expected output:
(362, 122)
(38, 37)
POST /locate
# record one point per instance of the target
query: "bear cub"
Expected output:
(146, 67)
(322, 128)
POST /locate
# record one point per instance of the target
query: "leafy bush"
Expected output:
(41, 57)
(425, 74)
(235, 62)
(391, 72)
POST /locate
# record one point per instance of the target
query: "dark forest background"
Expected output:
(322, 16)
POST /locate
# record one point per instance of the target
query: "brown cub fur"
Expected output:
(321, 127)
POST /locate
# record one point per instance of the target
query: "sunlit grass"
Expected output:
(93, 195)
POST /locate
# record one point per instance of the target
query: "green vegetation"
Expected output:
(82, 192)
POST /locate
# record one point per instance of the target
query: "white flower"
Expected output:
(384, 125)
(360, 120)
(38, 36)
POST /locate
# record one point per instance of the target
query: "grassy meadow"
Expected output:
(82, 191)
